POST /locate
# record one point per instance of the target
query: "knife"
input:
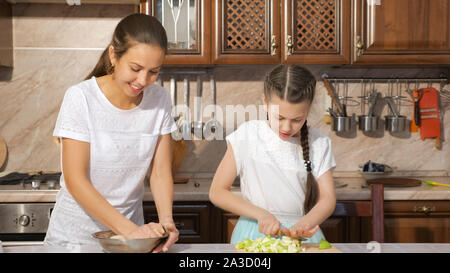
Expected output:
(300, 238)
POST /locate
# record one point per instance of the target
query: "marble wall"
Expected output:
(56, 46)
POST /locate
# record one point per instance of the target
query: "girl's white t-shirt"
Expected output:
(122, 144)
(272, 171)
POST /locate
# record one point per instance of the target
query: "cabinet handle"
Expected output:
(179, 224)
(359, 46)
(273, 46)
(424, 209)
(289, 45)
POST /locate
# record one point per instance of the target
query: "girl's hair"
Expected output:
(133, 29)
(296, 84)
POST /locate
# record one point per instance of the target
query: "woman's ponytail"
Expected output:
(103, 66)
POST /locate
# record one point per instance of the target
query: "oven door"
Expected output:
(24, 221)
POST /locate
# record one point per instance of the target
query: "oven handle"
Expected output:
(21, 243)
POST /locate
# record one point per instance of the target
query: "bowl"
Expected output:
(112, 245)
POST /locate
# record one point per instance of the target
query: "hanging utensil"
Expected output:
(213, 129)
(197, 124)
(185, 125)
(333, 95)
(430, 121)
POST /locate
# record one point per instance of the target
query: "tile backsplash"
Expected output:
(52, 53)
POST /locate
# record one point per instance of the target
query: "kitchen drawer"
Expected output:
(415, 221)
(192, 220)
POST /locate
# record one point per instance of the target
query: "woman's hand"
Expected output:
(173, 237)
(268, 224)
(300, 230)
(150, 230)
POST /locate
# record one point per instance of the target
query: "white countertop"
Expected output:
(354, 190)
(38, 247)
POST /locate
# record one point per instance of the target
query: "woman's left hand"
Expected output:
(300, 230)
(173, 237)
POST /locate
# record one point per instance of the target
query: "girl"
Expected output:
(112, 127)
(285, 167)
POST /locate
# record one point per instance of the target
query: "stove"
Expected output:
(30, 181)
(27, 221)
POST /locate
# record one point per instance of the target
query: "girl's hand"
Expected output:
(300, 230)
(268, 224)
(173, 237)
(150, 230)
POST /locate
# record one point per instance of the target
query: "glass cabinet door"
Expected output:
(187, 26)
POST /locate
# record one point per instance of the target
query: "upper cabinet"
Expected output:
(76, 2)
(316, 32)
(246, 32)
(6, 41)
(401, 32)
(188, 27)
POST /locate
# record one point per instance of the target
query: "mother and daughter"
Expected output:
(117, 124)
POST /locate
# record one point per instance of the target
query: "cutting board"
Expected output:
(429, 127)
(180, 150)
(395, 182)
(3, 151)
(310, 248)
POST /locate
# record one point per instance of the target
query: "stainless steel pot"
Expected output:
(368, 123)
(342, 124)
(395, 124)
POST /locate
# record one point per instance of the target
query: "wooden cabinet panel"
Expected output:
(191, 219)
(335, 229)
(6, 41)
(316, 32)
(229, 222)
(401, 32)
(414, 222)
(246, 32)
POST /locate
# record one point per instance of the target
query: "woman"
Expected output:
(114, 126)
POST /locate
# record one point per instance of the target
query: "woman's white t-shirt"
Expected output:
(272, 170)
(122, 144)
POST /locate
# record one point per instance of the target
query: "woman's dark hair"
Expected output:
(135, 28)
(296, 84)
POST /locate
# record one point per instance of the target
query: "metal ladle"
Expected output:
(197, 124)
(213, 129)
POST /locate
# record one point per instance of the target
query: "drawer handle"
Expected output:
(179, 224)
(424, 209)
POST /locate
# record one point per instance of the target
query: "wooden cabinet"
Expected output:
(229, 221)
(413, 222)
(188, 27)
(6, 41)
(316, 32)
(401, 32)
(246, 32)
(192, 219)
(404, 221)
(308, 32)
(76, 2)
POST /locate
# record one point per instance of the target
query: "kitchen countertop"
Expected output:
(38, 247)
(354, 190)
